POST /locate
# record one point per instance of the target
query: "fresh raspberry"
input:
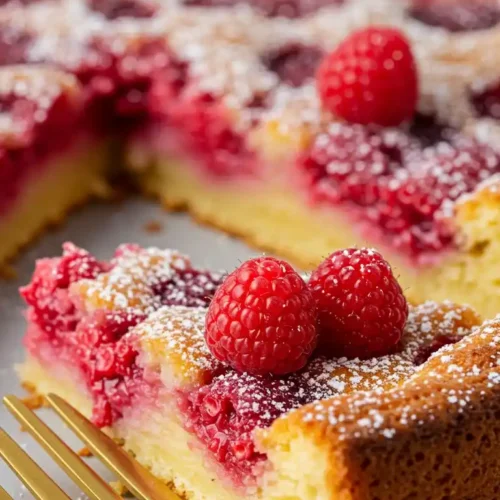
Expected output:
(262, 319)
(361, 308)
(370, 78)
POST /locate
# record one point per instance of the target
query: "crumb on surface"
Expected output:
(84, 452)
(34, 401)
(28, 387)
(153, 226)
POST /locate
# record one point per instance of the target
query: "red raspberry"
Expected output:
(262, 319)
(370, 78)
(361, 308)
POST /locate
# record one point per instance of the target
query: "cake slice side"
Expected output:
(123, 340)
(434, 437)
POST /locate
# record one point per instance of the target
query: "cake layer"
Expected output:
(281, 221)
(145, 435)
(125, 341)
(65, 181)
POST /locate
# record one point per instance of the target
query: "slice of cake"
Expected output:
(328, 122)
(50, 157)
(234, 388)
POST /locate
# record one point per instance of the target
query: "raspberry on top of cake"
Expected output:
(227, 359)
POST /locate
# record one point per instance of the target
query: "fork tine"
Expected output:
(37, 482)
(67, 459)
(137, 478)
(4, 495)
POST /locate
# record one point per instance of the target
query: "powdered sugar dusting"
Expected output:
(451, 376)
(132, 280)
(174, 338)
(39, 85)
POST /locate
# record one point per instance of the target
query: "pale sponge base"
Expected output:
(159, 442)
(153, 435)
(281, 222)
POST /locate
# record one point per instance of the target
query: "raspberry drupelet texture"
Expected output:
(370, 78)
(362, 311)
(400, 185)
(262, 319)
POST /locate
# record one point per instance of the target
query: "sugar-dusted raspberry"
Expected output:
(47, 294)
(414, 207)
(105, 327)
(458, 15)
(262, 319)
(361, 308)
(14, 44)
(295, 63)
(225, 413)
(349, 162)
(107, 360)
(190, 288)
(400, 185)
(370, 77)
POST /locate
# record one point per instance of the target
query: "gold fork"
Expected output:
(134, 476)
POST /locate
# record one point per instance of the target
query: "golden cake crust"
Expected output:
(434, 437)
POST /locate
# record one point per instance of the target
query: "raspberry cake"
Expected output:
(240, 387)
(283, 122)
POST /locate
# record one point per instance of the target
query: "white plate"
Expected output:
(98, 228)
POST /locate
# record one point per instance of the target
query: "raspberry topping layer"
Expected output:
(40, 115)
(395, 183)
(225, 413)
(94, 340)
(203, 131)
(114, 328)
(370, 78)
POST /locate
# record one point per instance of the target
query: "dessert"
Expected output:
(284, 123)
(125, 342)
